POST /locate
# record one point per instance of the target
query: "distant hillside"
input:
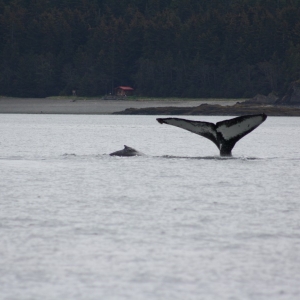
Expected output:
(162, 48)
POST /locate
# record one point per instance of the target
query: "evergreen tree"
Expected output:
(183, 48)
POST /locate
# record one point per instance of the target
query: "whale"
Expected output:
(127, 151)
(224, 134)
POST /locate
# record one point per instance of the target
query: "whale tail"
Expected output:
(224, 134)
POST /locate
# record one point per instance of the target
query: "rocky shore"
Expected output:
(271, 105)
(218, 110)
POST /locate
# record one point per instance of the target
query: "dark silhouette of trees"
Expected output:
(181, 48)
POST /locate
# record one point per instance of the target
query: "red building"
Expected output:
(124, 91)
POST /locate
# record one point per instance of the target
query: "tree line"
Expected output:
(162, 48)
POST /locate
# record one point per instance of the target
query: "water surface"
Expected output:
(178, 223)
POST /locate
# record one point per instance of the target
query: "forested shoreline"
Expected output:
(162, 48)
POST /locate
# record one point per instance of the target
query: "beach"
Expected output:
(148, 106)
(53, 105)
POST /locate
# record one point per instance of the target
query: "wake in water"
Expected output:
(217, 158)
(70, 156)
(212, 157)
(131, 152)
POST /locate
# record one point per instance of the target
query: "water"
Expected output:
(179, 223)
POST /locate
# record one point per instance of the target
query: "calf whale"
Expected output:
(127, 151)
(224, 134)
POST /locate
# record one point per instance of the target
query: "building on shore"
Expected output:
(124, 91)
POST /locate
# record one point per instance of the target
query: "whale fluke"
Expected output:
(127, 151)
(223, 134)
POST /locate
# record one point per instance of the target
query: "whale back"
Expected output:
(127, 151)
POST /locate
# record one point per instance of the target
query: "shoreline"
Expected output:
(146, 106)
(69, 105)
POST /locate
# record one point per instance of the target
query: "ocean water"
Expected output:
(177, 223)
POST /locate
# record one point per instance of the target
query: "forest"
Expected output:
(162, 48)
